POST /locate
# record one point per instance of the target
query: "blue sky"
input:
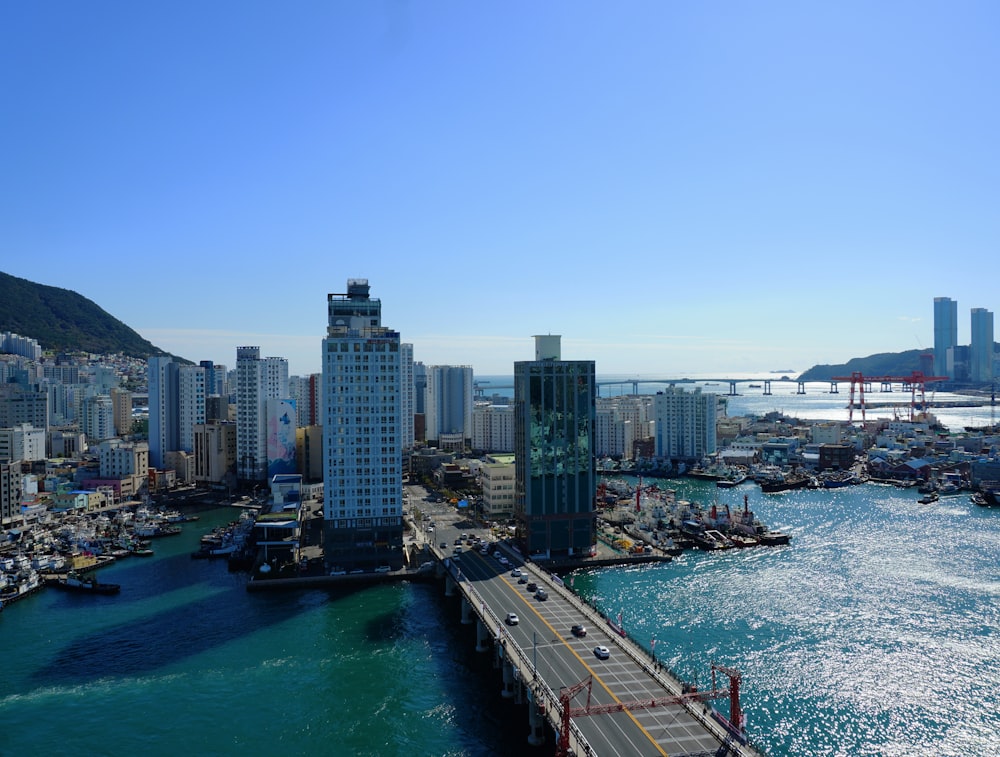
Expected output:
(675, 188)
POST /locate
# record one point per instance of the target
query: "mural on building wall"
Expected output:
(281, 426)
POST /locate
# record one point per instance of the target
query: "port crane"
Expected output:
(567, 693)
(916, 381)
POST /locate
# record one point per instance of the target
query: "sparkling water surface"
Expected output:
(876, 632)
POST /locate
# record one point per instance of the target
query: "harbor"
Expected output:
(873, 585)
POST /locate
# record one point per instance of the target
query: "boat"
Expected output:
(928, 499)
(728, 482)
(774, 538)
(988, 494)
(75, 583)
(784, 482)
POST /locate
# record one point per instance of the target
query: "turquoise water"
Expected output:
(876, 632)
(185, 656)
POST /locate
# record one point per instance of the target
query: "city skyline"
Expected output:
(673, 189)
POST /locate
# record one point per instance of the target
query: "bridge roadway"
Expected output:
(547, 656)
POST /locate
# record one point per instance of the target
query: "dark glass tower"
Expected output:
(554, 403)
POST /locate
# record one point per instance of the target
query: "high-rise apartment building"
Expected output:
(492, 427)
(685, 424)
(97, 418)
(981, 349)
(191, 393)
(164, 434)
(448, 403)
(408, 404)
(554, 452)
(257, 380)
(945, 332)
(362, 450)
(121, 407)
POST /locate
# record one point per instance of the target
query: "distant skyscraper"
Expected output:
(164, 435)
(448, 402)
(209, 367)
(554, 452)
(981, 359)
(257, 380)
(945, 332)
(362, 480)
(419, 387)
(408, 402)
(191, 394)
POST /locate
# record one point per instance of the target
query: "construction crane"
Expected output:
(917, 382)
(567, 693)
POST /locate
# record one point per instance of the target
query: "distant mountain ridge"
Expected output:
(64, 321)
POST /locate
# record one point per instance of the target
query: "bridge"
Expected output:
(481, 387)
(624, 704)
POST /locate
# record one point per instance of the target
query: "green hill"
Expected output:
(882, 364)
(62, 320)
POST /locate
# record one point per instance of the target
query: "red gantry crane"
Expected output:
(916, 381)
(567, 693)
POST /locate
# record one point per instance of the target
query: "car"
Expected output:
(541, 594)
(383, 569)
(458, 541)
(515, 573)
(504, 561)
(601, 653)
(356, 571)
(457, 551)
(579, 630)
(338, 572)
(512, 619)
(532, 586)
(444, 545)
(522, 580)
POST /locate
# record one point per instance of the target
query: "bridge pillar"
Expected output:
(449, 586)
(802, 388)
(536, 721)
(767, 387)
(834, 388)
(886, 386)
(482, 636)
(466, 611)
(508, 680)
(732, 389)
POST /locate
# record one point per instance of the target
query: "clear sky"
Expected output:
(674, 187)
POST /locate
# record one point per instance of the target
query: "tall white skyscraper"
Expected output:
(362, 440)
(191, 403)
(981, 349)
(163, 430)
(448, 402)
(257, 380)
(945, 332)
(408, 390)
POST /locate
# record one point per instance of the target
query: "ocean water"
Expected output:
(816, 403)
(875, 632)
(186, 658)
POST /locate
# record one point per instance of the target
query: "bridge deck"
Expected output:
(547, 657)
